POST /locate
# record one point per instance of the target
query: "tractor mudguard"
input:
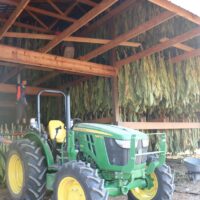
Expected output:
(43, 144)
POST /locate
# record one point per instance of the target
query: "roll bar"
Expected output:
(67, 107)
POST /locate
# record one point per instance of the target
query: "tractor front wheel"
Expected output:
(162, 189)
(78, 181)
(26, 171)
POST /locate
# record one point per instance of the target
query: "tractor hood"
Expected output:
(111, 131)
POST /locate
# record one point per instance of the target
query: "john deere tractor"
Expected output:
(84, 161)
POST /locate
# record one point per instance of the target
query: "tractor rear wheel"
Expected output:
(162, 189)
(78, 181)
(26, 171)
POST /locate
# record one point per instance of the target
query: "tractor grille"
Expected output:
(139, 150)
(116, 154)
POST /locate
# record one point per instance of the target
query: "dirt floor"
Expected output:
(185, 189)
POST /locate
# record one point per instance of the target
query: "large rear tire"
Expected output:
(78, 181)
(26, 171)
(163, 186)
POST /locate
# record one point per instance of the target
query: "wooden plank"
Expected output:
(78, 24)
(27, 26)
(107, 17)
(161, 46)
(32, 58)
(45, 78)
(185, 56)
(160, 125)
(177, 9)
(40, 11)
(67, 12)
(37, 19)
(179, 45)
(11, 89)
(69, 39)
(7, 104)
(88, 2)
(55, 7)
(155, 21)
(13, 65)
(13, 17)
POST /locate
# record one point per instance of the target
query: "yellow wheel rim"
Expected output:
(15, 174)
(147, 194)
(70, 189)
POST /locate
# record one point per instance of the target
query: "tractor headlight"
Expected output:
(125, 144)
(145, 142)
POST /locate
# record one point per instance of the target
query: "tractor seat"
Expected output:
(57, 131)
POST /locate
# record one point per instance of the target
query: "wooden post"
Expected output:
(114, 81)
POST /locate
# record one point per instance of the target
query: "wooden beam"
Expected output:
(177, 9)
(40, 11)
(13, 65)
(45, 78)
(155, 21)
(185, 56)
(5, 77)
(55, 7)
(27, 26)
(160, 125)
(37, 19)
(160, 47)
(78, 24)
(179, 45)
(7, 104)
(11, 89)
(13, 17)
(88, 2)
(106, 18)
(67, 11)
(68, 39)
(27, 57)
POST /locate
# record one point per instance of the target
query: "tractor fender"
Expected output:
(42, 142)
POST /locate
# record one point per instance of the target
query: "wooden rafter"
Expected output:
(155, 21)
(185, 56)
(106, 18)
(69, 39)
(27, 26)
(37, 19)
(55, 7)
(11, 89)
(32, 58)
(160, 47)
(7, 104)
(177, 9)
(13, 17)
(88, 2)
(40, 11)
(78, 24)
(179, 45)
(67, 11)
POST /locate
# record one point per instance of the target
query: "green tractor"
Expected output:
(86, 161)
